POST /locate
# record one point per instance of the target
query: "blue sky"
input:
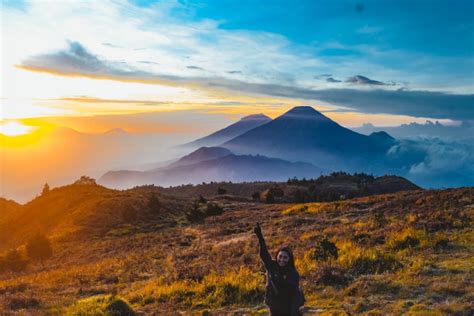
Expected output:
(183, 69)
(412, 58)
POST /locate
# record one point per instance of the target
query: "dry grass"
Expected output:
(406, 253)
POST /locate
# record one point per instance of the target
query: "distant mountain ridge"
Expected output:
(245, 124)
(213, 164)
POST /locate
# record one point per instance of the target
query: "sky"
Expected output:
(185, 68)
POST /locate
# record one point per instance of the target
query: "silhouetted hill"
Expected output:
(336, 186)
(245, 124)
(304, 134)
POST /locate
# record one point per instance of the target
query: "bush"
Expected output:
(202, 200)
(374, 263)
(324, 249)
(13, 261)
(129, 215)
(407, 242)
(39, 248)
(221, 191)
(154, 204)
(198, 211)
(17, 303)
(213, 209)
(269, 197)
(379, 218)
(327, 274)
(100, 305)
(256, 196)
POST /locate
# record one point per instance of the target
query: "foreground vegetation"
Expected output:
(403, 253)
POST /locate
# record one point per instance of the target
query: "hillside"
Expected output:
(8, 208)
(407, 252)
(83, 211)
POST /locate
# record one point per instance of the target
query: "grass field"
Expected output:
(403, 253)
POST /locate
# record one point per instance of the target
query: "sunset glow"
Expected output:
(14, 129)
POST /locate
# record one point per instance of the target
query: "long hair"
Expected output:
(291, 261)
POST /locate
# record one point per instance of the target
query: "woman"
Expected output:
(283, 295)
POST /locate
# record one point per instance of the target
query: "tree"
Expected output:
(39, 248)
(154, 204)
(45, 189)
(85, 180)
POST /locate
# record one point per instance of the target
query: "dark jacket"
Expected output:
(282, 295)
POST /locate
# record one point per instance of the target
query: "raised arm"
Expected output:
(264, 254)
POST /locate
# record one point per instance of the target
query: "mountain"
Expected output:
(202, 154)
(213, 164)
(245, 124)
(304, 134)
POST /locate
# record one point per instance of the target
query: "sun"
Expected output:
(14, 129)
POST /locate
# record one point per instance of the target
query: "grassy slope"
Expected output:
(82, 211)
(214, 264)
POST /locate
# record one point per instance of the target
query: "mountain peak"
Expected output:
(252, 117)
(305, 113)
(303, 110)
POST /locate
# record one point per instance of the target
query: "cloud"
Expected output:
(429, 129)
(78, 61)
(194, 67)
(425, 104)
(361, 80)
(446, 163)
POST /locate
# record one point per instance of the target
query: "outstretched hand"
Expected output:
(257, 230)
